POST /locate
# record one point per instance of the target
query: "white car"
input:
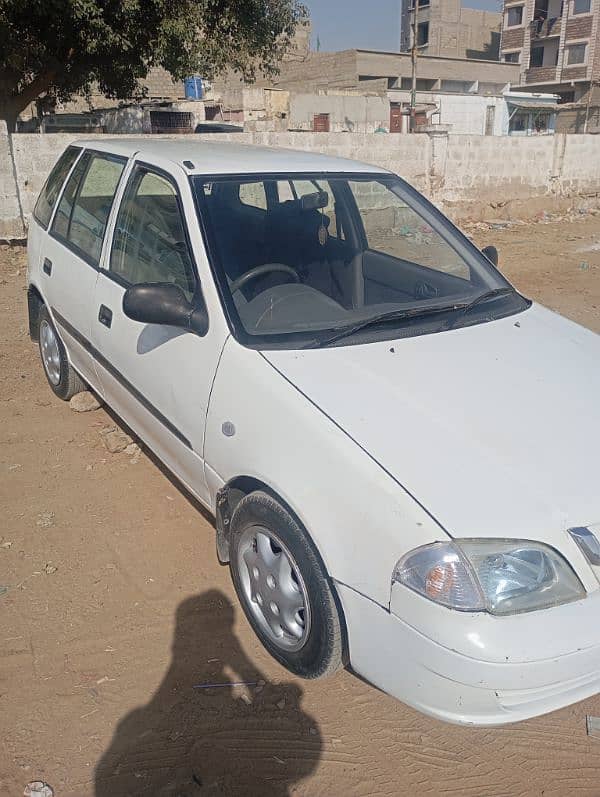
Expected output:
(400, 450)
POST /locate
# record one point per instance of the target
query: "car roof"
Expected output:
(218, 157)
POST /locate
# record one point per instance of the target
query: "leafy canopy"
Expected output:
(60, 47)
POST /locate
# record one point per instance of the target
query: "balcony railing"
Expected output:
(541, 28)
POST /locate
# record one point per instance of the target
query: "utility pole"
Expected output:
(593, 85)
(413, 60)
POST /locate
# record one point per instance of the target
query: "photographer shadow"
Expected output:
(203, 733)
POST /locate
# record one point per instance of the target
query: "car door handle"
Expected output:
(47, 267)
(105, 316)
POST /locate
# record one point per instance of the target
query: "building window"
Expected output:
(525, 122)
(566, 96)
(513, 58)
(581, 6)
(514, 16)
(576, 54)
(422, 34)
(536, 57)
(423, 3)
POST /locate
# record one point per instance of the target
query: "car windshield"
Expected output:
(312, 258)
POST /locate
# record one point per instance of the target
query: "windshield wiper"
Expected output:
(382, 318)
(482, 297)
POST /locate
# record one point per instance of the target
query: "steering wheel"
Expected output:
(259, 271)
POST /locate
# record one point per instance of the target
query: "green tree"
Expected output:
(57, 48)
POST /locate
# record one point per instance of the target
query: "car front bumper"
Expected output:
(455, 686)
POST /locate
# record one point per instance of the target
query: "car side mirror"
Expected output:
(164, 303)
(492, 254)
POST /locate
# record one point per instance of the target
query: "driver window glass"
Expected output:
(393, 228)
(149, 242)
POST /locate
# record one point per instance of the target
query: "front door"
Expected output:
(395, 117)
(158, 378)
(321, 123)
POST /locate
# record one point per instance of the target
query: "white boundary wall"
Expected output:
(468, 176)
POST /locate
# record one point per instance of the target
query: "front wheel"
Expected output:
(283, 588)
(64, 381)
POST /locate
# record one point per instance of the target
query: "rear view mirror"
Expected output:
(319, 199)
(164, 303)
(492, 254)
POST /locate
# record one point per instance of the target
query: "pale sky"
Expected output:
(374, 25)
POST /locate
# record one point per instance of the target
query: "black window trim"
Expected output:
(79, 150)
(140, 165)
(290, 340)
(64, 241)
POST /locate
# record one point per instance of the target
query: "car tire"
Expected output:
(273, 561)
(62, 378)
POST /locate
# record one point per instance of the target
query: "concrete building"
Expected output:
(446, 28)
(556, 44)
(360, 90)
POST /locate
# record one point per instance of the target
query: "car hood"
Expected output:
(493, 428)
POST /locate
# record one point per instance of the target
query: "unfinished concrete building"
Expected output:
(556, 45)
(363, 91)
(445, 28)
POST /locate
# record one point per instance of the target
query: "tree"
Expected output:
(57, 48)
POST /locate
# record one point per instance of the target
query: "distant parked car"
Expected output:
(71, 123)
(400, 450)
(217, 127)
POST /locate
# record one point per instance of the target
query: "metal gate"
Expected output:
(395, 117)
(321, 123)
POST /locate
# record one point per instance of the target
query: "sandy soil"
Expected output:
(116, 611)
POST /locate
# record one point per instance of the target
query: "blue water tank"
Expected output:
(193, 88)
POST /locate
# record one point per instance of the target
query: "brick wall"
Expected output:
(541, 74)
(579, 28)
(574, 73)
(464, 174)
(513, 39)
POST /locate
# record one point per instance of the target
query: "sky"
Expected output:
(366, 24)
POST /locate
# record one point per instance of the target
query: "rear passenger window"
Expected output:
(47, 198)
(149, 242)
(60, 226)
(85, 206)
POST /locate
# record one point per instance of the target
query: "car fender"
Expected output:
(261, 427)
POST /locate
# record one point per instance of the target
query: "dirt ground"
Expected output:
(114, 616)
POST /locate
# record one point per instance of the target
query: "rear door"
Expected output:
(44, 208)
(72, 250)
(158, 378)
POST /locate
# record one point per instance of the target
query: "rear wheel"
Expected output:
(283, 588)
(64, 381)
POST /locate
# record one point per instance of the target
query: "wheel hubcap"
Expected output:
(50, 352)
(273, 588)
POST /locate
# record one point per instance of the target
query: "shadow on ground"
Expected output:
(190, 741)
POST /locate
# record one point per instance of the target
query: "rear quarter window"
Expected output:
(83, 211)
(49, 193)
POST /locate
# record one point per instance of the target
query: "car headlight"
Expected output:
(495, 576)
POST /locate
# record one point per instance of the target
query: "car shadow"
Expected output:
(171, 478)
(214, 725)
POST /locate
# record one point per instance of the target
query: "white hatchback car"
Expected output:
(400, 450)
